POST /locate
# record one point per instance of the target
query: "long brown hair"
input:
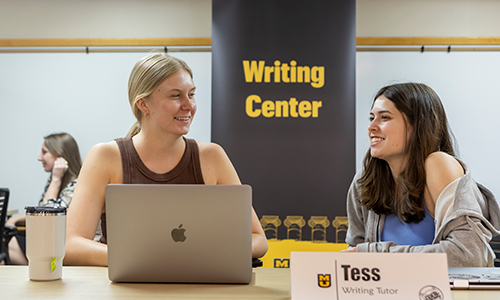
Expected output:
(423, 111)
(64, 145)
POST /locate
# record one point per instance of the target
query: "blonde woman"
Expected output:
(155, 151)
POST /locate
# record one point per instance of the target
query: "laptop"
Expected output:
(474, 278)
(179, 233)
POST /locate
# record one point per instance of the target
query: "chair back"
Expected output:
(4, 202)
(495, 245)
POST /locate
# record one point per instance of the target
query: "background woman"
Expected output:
(161, 94)
(413, 194)
(61, 158)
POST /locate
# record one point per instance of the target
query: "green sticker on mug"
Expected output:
(53, 264)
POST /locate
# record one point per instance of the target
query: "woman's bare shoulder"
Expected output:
(216, 165)
(444, 163)
(103, 160)
(210, 149)
(104, 155)
(441, 169)
(105, 149)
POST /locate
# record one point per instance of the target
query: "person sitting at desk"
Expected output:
(161, 94)
(413, 194)
(61, 158)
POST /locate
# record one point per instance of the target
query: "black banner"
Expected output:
(283, 108)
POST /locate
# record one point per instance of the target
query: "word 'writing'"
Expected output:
(257, 71)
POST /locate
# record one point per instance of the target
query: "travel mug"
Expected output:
(45, 241)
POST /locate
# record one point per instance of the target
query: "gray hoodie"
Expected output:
(467, 216)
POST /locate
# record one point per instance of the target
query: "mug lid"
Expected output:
(45, 209)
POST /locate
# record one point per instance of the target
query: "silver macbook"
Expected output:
(179, 233)
(474, 278)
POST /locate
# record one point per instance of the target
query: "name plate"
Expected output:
(333, 275)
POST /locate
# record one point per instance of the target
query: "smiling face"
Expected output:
(388, 132)
(171, 107)
(47, 159)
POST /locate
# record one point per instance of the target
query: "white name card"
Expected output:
(333, 275)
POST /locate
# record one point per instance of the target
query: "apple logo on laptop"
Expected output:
(178, 234)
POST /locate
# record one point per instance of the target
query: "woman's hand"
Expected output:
(58, 170)
(60, 167)
(351, 249)
(13, 220)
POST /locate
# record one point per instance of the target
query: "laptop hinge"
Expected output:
(460, 285)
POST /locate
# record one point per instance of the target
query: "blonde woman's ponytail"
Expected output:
(134, 130)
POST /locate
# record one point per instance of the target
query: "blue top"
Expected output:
(413, 234)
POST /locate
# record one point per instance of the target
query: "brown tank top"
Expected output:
(188, 171)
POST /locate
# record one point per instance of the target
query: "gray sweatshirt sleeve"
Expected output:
(355, 215)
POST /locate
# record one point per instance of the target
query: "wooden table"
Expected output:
(93, 283)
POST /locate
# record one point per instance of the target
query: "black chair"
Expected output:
(6, 232)
(495, 245)
(256, 263)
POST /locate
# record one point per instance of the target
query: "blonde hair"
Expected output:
(147, 74)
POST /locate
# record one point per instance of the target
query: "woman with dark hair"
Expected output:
(61, 158)
(413, 194)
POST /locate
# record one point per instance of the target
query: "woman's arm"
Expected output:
(13, 220)
(101, 167)
(58, 170)
(66, 194)
(216, 165)
(218, 169)
(441, 169)
(259, 240)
